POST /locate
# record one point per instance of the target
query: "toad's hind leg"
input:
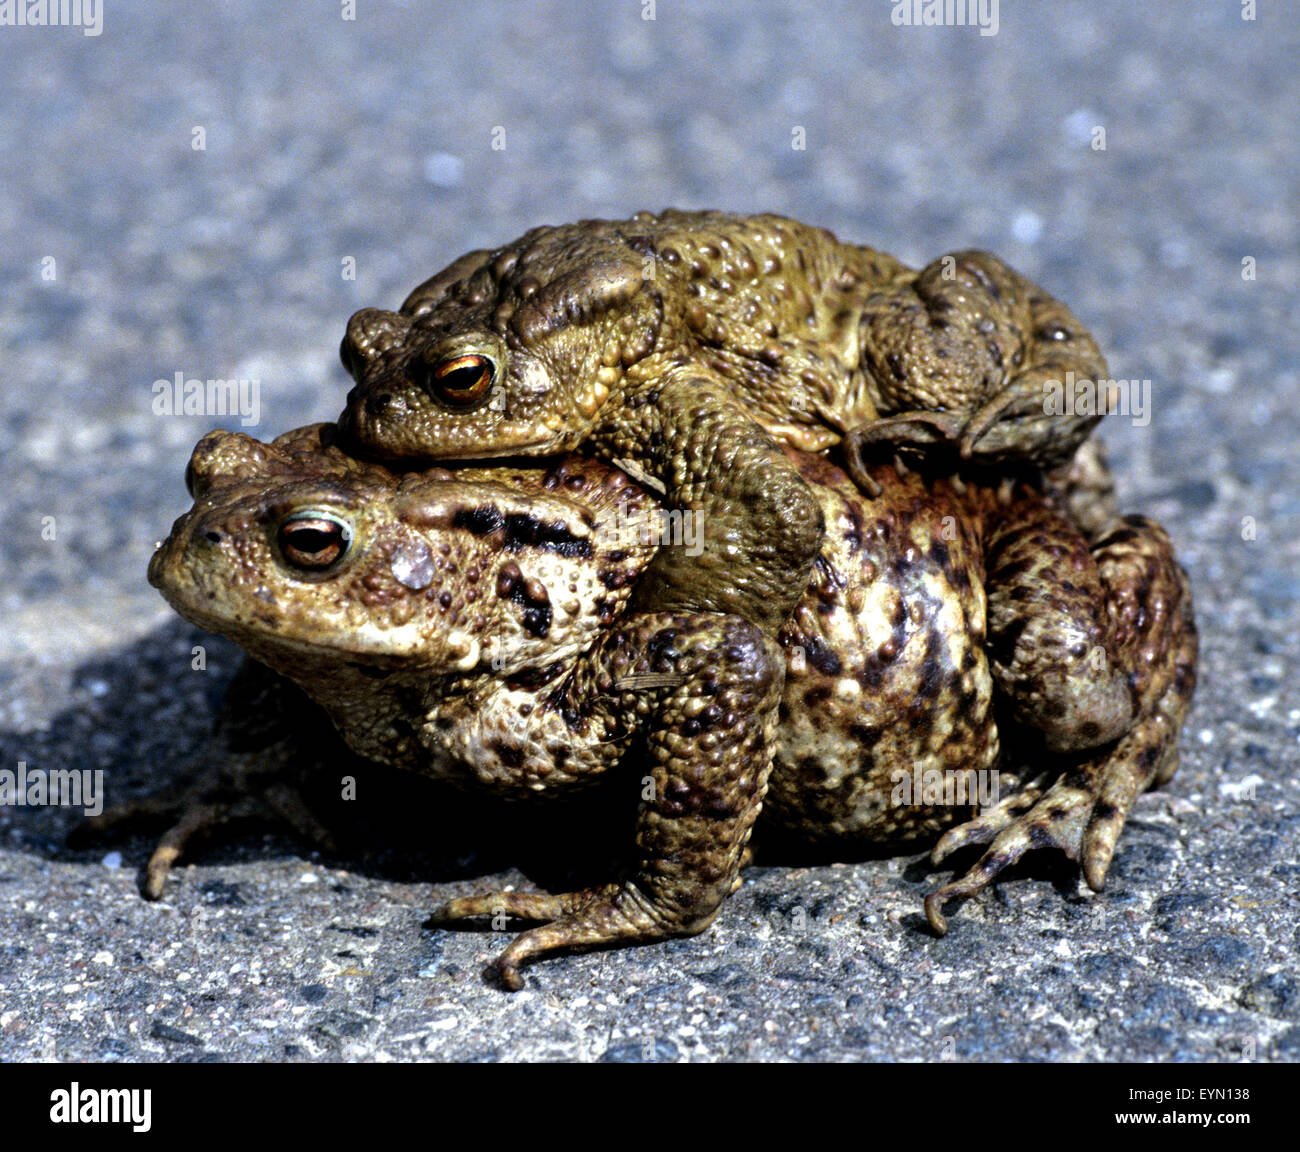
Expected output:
(972, 354)
(1055, 645)
(1153, 636)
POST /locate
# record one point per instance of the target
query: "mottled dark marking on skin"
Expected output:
(574, 713)
(521, 531)
(1123, 534)
(508, 579)
(939, 553)
(816, 697)
(931, 668)
(709, 717)
(1104, 810)
(681, 799)
(527, 679)
(871, 677)
(662, 652)
(1002, 644)
(481, 521)
(832, 579)
(821, 657)
(1040, 837)
(986, 282)
(537, 621)
(530, 595)
(853, 537)
(370, 671)
(903, 562)
(616, 578)
(898, 619)
(865, 735)
(511, 755)
(1013, 570)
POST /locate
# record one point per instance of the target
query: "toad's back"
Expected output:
(773, 305)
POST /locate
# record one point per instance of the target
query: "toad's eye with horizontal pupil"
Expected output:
(462, 382)
(313, 541)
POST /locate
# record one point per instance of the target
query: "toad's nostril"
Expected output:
(377, 403)
(215, 537)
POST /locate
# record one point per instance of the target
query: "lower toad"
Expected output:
(472, 626)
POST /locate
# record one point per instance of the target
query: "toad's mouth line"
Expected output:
(262, 637)
(526, 454)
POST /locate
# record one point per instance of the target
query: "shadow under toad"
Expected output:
(146, 712)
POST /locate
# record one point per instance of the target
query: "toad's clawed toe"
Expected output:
(1055, 819)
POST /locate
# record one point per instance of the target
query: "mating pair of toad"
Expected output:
(484, 626)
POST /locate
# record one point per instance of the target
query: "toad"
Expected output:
(474, 626)
(688, 346)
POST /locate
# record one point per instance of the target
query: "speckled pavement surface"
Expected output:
(128, 255)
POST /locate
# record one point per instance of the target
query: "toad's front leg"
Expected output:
(750, 527)
(704, 689)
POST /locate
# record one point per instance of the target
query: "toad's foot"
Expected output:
(972, 339)
(709, 685)
(992, 436)
(210, 800)
(592, 918)
(1082, 814)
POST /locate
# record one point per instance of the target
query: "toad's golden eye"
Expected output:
(462, 382)
(313, 541)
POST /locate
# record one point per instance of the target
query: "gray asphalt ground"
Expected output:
(128, 256)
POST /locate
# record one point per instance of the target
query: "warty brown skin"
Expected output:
(682, 344)
(476, 629)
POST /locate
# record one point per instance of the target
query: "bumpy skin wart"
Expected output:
(625, 335)
(475, 627)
